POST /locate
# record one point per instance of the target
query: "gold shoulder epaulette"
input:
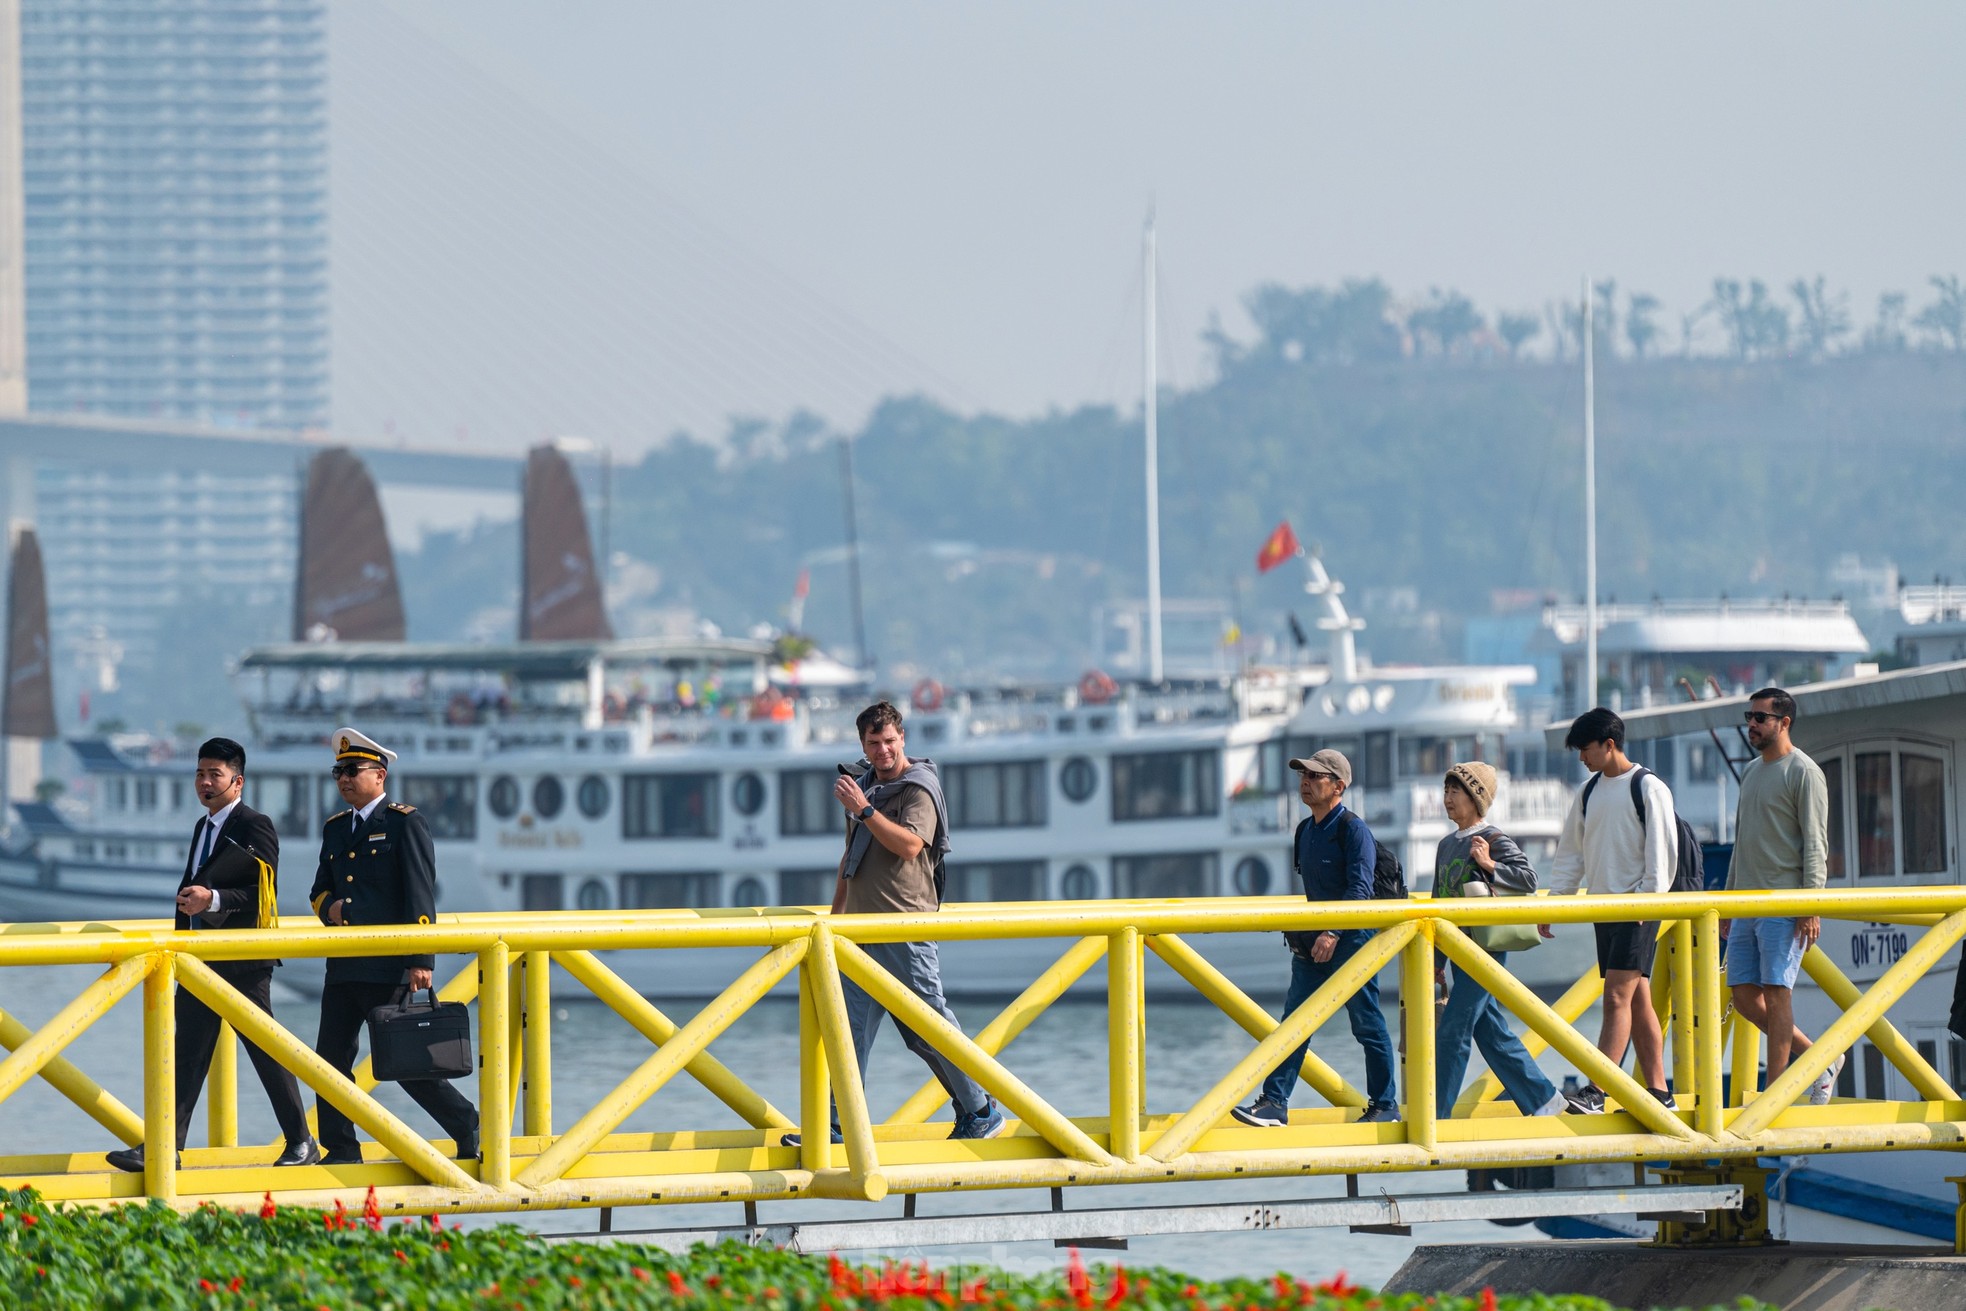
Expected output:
(341, 815)
(402, 809)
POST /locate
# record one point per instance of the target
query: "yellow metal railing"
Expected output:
(531, 1160)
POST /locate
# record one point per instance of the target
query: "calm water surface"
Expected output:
(1062, 1056)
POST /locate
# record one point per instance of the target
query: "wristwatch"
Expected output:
(866, 813)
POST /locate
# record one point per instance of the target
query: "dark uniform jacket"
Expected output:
(235, 908)
(387, 870)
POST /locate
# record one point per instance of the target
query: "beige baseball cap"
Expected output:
(1326, 761)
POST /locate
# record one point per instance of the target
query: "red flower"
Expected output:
(676, 1284)
(574, 1280)
(29, 1219)
(400, 1256)
(1117, 1293)
(972, 1293)
(372, 1211)
(1076, 1282)
(207, 1286)
(1338, 1285)
(237, 1280)
(639, 1273)
(1487, 1299)
(266, 1208)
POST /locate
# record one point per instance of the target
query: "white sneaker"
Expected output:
(1825, 1086)
(1554, 1106)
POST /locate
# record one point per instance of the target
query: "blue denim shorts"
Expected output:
(1764, 952)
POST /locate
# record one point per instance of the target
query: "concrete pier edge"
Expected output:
(1793, 1276)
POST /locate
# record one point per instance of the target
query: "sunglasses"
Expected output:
(1760, 717)
(347, 771)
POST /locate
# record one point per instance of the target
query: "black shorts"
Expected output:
(1627, 945)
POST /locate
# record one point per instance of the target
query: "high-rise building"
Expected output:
(174, 171)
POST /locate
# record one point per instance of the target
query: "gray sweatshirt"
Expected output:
(1514, 876)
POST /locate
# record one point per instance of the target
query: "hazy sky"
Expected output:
(613, 217)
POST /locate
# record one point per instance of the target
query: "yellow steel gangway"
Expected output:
(538, 1154)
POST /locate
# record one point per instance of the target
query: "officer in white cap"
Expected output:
(378, 866)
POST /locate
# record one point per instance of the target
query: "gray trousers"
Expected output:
(917, 966)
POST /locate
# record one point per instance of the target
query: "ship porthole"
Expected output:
(1079, 883)
(593, 895)
(1252, 877)
(1077, 778)
(504, 796)
(593, 796)
(747, 793)
(548, 796)
(748, 892)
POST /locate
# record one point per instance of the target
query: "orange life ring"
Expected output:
(1096, 687)
(927, 695)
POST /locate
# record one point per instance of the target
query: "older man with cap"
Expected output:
(377, 866)
(1335, 855)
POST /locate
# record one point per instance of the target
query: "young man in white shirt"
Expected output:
(1607, 848)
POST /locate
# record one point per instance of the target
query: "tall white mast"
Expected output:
(1150, 404)
(1590, 504)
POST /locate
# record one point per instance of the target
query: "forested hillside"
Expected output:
(987, 540)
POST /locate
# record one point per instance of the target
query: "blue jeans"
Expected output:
(1472, 1014)
(1368, 1025)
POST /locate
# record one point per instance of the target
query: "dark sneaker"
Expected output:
(1262, 1113)
(1379, 1115)
(1663, 1096)
(1587, 1100)
(987, 1123)
(795, 1140)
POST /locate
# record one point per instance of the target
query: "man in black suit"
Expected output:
(228, 823)
(378, 866)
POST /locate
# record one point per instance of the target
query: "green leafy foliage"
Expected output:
(143, 1257)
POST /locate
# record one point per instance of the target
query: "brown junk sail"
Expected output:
(346, 584)
(562, 591)
(27, 708)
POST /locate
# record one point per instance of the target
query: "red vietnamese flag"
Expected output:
(1281, 546)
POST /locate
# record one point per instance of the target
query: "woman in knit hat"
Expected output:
(1478, 859)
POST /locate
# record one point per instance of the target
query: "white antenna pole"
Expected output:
(1150, 406)
(1590, 504)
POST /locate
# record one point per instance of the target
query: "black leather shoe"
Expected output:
(304, 1152)
(131, 1159)
(468, 1150)
(335, 1157)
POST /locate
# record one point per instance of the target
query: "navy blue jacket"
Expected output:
(1335, 858)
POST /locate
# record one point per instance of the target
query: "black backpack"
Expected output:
(1690, 870)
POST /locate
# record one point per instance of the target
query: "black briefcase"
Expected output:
(428, 1041)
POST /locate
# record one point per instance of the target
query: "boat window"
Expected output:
(1270, 769)
(548, 795)
(1077, 778)
(1179, 874)
(807, 887)
(284, 797)
(807, 807)
(669, 806)
(592, 796)
(748, 892)
(1252, 876)
(504, 796)
(747, 793)
(1376, 770)
(1921, 800)
(1876, 821)
(668, 891)
(177, 794)
(1001, 880)
(1833, 776)
(146, 794)
(1166, 785)
(1429, 757)
(447, 802)
(116, 793)
(999, 794)
(542, 892)
(1079, 883)
(593, 895)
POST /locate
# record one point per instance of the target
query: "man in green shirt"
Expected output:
(1781, 843)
